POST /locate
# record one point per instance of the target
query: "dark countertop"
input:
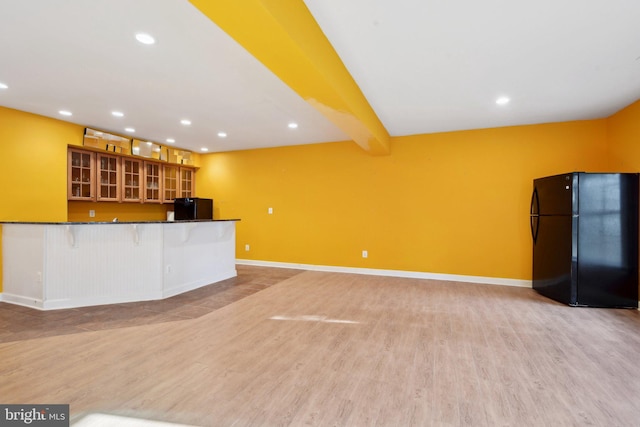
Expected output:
(118, 222)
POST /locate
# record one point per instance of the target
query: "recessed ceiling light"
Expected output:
(129, 130)
(117, 113)
(3, 86)
(65, 113)
(222, 134)
(149, 143)
(145, 38)
(204, 149)
(503, 100)
(170, 140)
(292, 125)
(185, 122)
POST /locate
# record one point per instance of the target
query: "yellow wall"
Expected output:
(453, 203)
(107, 211)
(33, 166)
(624, 139)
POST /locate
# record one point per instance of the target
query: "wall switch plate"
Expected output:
(247, 247)
(270, 211)
(92, 213)
(365, 254)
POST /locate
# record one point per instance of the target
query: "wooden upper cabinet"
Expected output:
(108, 178)
(132, 175)
(105, 177)
(152, 183)
(81, 175)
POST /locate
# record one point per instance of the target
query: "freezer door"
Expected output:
(553, 195)
(554, 263)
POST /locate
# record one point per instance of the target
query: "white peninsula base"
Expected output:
(65, 265)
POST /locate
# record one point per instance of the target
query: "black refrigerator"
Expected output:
(585, 238)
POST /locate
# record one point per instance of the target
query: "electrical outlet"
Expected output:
(92, 213)
(247, 248)
(365, 254)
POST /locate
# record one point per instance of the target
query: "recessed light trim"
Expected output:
(145, 38)
(222, 134)
(204, 149)
(117, 113)
(65, 113)
(170, 140)
(503, 100)
(292, 125)
(3, 86)
(185, 122)
(129, 129)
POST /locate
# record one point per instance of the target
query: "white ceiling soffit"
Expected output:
(82, 56)
(437, 65)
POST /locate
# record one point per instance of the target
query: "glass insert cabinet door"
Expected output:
(81, 178)
(152, 183)
(131, 180)
(186, 183)
(108, 178)
(170, 183)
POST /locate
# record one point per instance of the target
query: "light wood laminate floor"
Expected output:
(18, 323)
(348, 350)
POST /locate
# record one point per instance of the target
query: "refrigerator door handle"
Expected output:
(535, 223)
(535, 200)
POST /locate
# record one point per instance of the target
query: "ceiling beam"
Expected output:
(285, 37)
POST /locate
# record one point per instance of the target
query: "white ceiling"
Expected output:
(424, 65)
(438, 65)
(82, 56)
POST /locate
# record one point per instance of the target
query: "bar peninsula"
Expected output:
(75, 264)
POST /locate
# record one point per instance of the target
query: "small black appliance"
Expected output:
(190, 208)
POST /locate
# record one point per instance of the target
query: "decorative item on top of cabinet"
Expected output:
(187, 187)
(80, 175)
(149, 149)
(152, 183)
(105, 141)
(131, 180)
(108, 178)
(179, 156)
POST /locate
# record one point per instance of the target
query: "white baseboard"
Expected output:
(392, 273)
(93, 300)
(22, 300)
